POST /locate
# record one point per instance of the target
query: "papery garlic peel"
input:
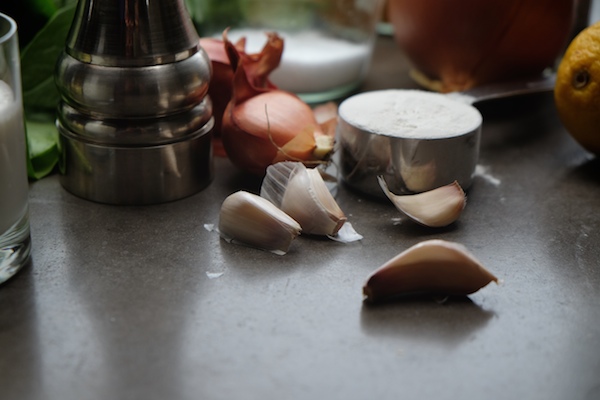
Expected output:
(254, 221)
(262, 125)
(302, 194)
(433, 266)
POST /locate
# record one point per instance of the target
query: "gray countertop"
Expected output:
(145, 303)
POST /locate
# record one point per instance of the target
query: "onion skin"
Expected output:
(263, 125)
(220, 87)
(220, 90)
(256, 132)
(466, 43)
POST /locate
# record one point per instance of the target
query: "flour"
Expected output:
(484, 172)
(311, 61)
(410, 114)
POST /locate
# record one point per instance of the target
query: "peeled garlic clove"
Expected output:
(434, 208)
(302, 194)
(252, 220)
(433, 266)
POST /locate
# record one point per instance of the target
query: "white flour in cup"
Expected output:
(413, 114)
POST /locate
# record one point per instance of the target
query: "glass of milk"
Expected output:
(328, 44)
(15, 243)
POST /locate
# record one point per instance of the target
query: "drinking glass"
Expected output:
(15, 242)
(328, 44)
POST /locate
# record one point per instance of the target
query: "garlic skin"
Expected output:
(276, 180)
(435, 208)
(433, 266)
(254, 221)
(302, 194)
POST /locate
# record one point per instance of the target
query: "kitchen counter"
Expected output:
(146, 303)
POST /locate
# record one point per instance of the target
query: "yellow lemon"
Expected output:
(577, 88)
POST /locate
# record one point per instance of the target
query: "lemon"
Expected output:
(577, 88)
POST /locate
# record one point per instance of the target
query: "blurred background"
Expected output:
(32, 15)
(44, 24)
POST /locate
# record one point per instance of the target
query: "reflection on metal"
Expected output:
(135, 120)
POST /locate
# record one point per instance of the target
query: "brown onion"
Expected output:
(263, 125)
(219, 89)
(456, 45)
(221, 83)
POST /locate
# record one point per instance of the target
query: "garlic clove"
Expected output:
(434, 208)
(254, 221)
(308, 200)
(433, 266)
(276, 181)
(302, 194)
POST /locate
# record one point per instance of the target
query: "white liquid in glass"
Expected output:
(13, 169)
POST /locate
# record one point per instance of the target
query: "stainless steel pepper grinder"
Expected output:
(135, 121)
